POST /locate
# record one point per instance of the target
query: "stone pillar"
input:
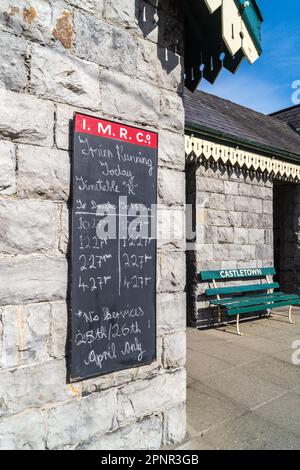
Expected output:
(120, 60)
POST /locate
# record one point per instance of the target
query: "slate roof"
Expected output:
(237, 122)
(289, 115)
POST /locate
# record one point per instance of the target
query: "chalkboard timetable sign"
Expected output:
(113, 248)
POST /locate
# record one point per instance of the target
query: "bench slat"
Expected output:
(237, 289)
(245, 298)
(236, 273)
(259, 301)
(257, 308)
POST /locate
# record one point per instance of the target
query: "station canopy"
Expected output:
(219, 33)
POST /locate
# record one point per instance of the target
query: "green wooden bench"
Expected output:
(247, 297)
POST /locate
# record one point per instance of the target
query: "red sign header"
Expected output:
(114, 130)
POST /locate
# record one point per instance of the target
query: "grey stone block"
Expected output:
(171, 150)
(34, 387)
(25, 334)
(268, 207)
(171, 187)
(64, 230)
(159, 65)
(262, 192)
(175, 424)
(165, 390)
(122, 12)
(171, 112)
(231, 187)
(25, 431)
(64, 78)
(211, 185)
(27, 226)
(174, 350)
(242, 252)
(256, 236)
(218, 234)
(31, 19)
(223, 218)
(170, 228)
(247, 204)
(267, 221)
(246, 189)
(203, 199)
(221, 252)
(28, 280)
(58, 330)
(204, 252)
(216, 201)
(43, 173)
(26, 119)
(67, 423)
(252, 220)
(96, 39)
(13, 72)
(63, 124)
(228, 264)
(171, 308)
(171, 271)
(131, 100)
(93, 6)
(241, 236)
(141, 435)
(7, 168)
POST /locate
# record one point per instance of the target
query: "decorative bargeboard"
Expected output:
(202, 151)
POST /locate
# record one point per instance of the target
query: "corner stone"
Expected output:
(26, 119)
(31, 428)
(67, 423)
(144, 435)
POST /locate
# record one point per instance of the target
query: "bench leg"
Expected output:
(290, 316)
(238, 325)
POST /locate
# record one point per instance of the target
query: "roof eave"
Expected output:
(248, 144)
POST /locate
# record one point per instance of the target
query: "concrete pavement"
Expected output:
(244, 392)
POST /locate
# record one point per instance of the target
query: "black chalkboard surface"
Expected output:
(113, 248)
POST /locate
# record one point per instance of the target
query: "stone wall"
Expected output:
(117, 59)
(233, 225)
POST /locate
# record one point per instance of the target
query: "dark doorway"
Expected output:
(286, 217)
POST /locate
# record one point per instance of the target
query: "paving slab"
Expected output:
(284, 333)
(283, 412)
(234, 354)
(251, 432)
(244, 392)
(286, 356)
(273, 371)
(204, 340)
(260, 344)
(247, 390)
(201, 365)
(207, 407)
(198, 443)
